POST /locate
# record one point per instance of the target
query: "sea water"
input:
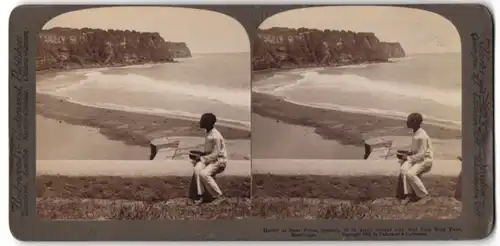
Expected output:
(216, 83)
(426, 83)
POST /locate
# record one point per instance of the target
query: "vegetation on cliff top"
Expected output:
(288, 48)
(68, 48)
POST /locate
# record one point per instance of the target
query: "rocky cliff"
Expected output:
(394, 50)
(290, 48)
(68, 48)
(179, 49)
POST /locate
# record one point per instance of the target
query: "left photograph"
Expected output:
(143, 113)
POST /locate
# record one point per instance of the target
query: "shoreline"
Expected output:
(122, 65)
(346, 127)
(97, 66)
(313, 66)
(130, 128)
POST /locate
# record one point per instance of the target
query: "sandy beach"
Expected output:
(342, 133)
(96, 133)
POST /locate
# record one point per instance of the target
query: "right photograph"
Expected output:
(356, 114)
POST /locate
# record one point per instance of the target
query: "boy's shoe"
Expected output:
(423, 200)
(406, 200)
(199, 201)
(217, 199)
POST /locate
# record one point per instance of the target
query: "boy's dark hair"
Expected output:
(417, 117)
(210, 118)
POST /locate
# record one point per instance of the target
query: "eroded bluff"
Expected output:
(68, 48)
(295, 48)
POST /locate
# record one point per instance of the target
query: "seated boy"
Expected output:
(212, 161)
(417, 161)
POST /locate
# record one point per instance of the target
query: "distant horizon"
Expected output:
(236, 52)
(173, 41)
(123, 30)
(389, 24)
(347, 30)
(431, 53)
(407, 54)
(202, 30)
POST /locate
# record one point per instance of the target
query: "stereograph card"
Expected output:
(251, 122)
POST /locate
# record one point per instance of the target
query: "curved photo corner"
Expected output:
(332, 91)
(121, 92)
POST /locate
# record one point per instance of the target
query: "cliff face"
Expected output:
(394, 50)
(289, 48)
(179, 49)
(67, 48)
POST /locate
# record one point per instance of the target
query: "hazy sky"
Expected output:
(203, 31)
(418, 31)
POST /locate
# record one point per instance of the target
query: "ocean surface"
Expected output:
(217, 83)
(426, 83)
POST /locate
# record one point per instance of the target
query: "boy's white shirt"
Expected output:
(421, 147)
(215, 146)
